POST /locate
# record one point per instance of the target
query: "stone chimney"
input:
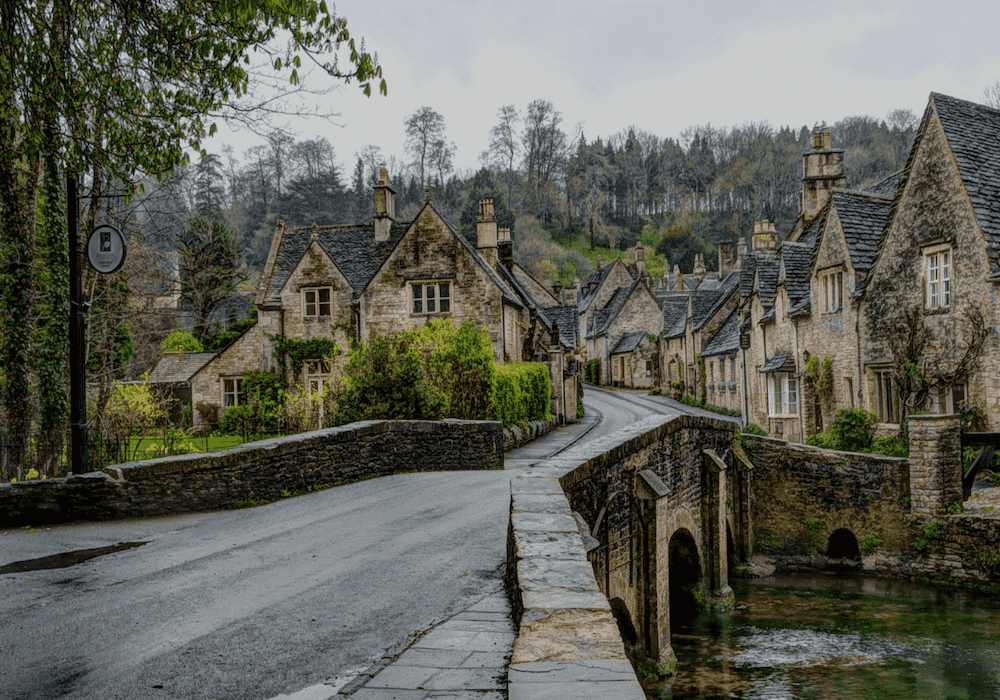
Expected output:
(727, 258)
(765, 238)
(640, 258)
(600, 263)
(385, 205)
(486, 232)
(571, 293)
(822, 172)
(699, 266)
(505, 247)
(557, 291)
(741, 250)
(180, 353)
(679, 284)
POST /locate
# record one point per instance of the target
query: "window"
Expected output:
(431, 297)
(833, 291)
(849, 390)
(649, 368)
(783, 394)
(950, 398)
(938, 278)
(232, 392)
(885, 397)
(316, 302)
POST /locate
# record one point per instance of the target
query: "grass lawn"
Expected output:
(152, 445)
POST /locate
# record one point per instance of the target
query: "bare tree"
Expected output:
(371, 157)
(918, 370)
(424, 128)
(991, 94)
(441, 158)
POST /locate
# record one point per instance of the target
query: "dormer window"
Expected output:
(316, 302)
(431, 297)
(938, 271)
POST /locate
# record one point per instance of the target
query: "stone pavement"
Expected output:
(465, 657)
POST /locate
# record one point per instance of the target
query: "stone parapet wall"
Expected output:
(256, 471)
(569, 644)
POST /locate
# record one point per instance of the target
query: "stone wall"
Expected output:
(793, 483)
(901, 504)
(256, 471)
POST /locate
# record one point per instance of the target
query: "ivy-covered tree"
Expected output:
(123, 90)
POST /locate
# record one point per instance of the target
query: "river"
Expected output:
(807, 637)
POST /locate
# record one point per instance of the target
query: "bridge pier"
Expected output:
(715, 503)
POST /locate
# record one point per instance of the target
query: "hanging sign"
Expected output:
(106, 249)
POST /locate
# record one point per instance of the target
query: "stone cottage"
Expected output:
(930, 298)
(330, 284)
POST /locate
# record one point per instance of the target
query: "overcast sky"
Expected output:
(660, 66)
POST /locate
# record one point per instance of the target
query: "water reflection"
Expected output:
(800, 637)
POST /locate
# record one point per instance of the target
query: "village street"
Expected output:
(258, 602)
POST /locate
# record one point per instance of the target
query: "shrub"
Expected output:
(459, 363)
(824, 440)
(435, 371)
(521, 391)
(853, 429)
(753, 429)
(592, 371)
(383, 380)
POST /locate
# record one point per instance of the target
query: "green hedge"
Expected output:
(592, 371)
(521, 391)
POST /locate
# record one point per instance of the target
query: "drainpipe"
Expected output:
(503, 330)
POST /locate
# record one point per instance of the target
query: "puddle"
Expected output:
(810, 637)
(66, 559)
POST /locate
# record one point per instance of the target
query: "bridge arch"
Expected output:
(685, 568)
(843, 544)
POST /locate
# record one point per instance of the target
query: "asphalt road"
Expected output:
(257, 602)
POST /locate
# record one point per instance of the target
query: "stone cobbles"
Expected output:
(462, 658)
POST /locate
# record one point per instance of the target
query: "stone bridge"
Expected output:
(612, 540)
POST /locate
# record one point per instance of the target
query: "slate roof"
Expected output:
(598, 277)
(795, 261)
(767, 280)
(705, 303)
(604, 317)
(886, 188)
(863, 218)
(359, 256)
(352, 247)
(973, 132)
(674, 320)
(748, 267)
(726, 340)
(629, 342)
(170, 370)
(802, 306)
(568, 320)
(781, 361)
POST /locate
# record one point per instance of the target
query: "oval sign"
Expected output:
(106, 249)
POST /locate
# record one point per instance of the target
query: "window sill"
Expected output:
(435, 314)
(938, 311)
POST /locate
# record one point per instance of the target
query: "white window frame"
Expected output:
(317, 307)
(782, 395)
(430, 297)
(232, 392)
(938, 276)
